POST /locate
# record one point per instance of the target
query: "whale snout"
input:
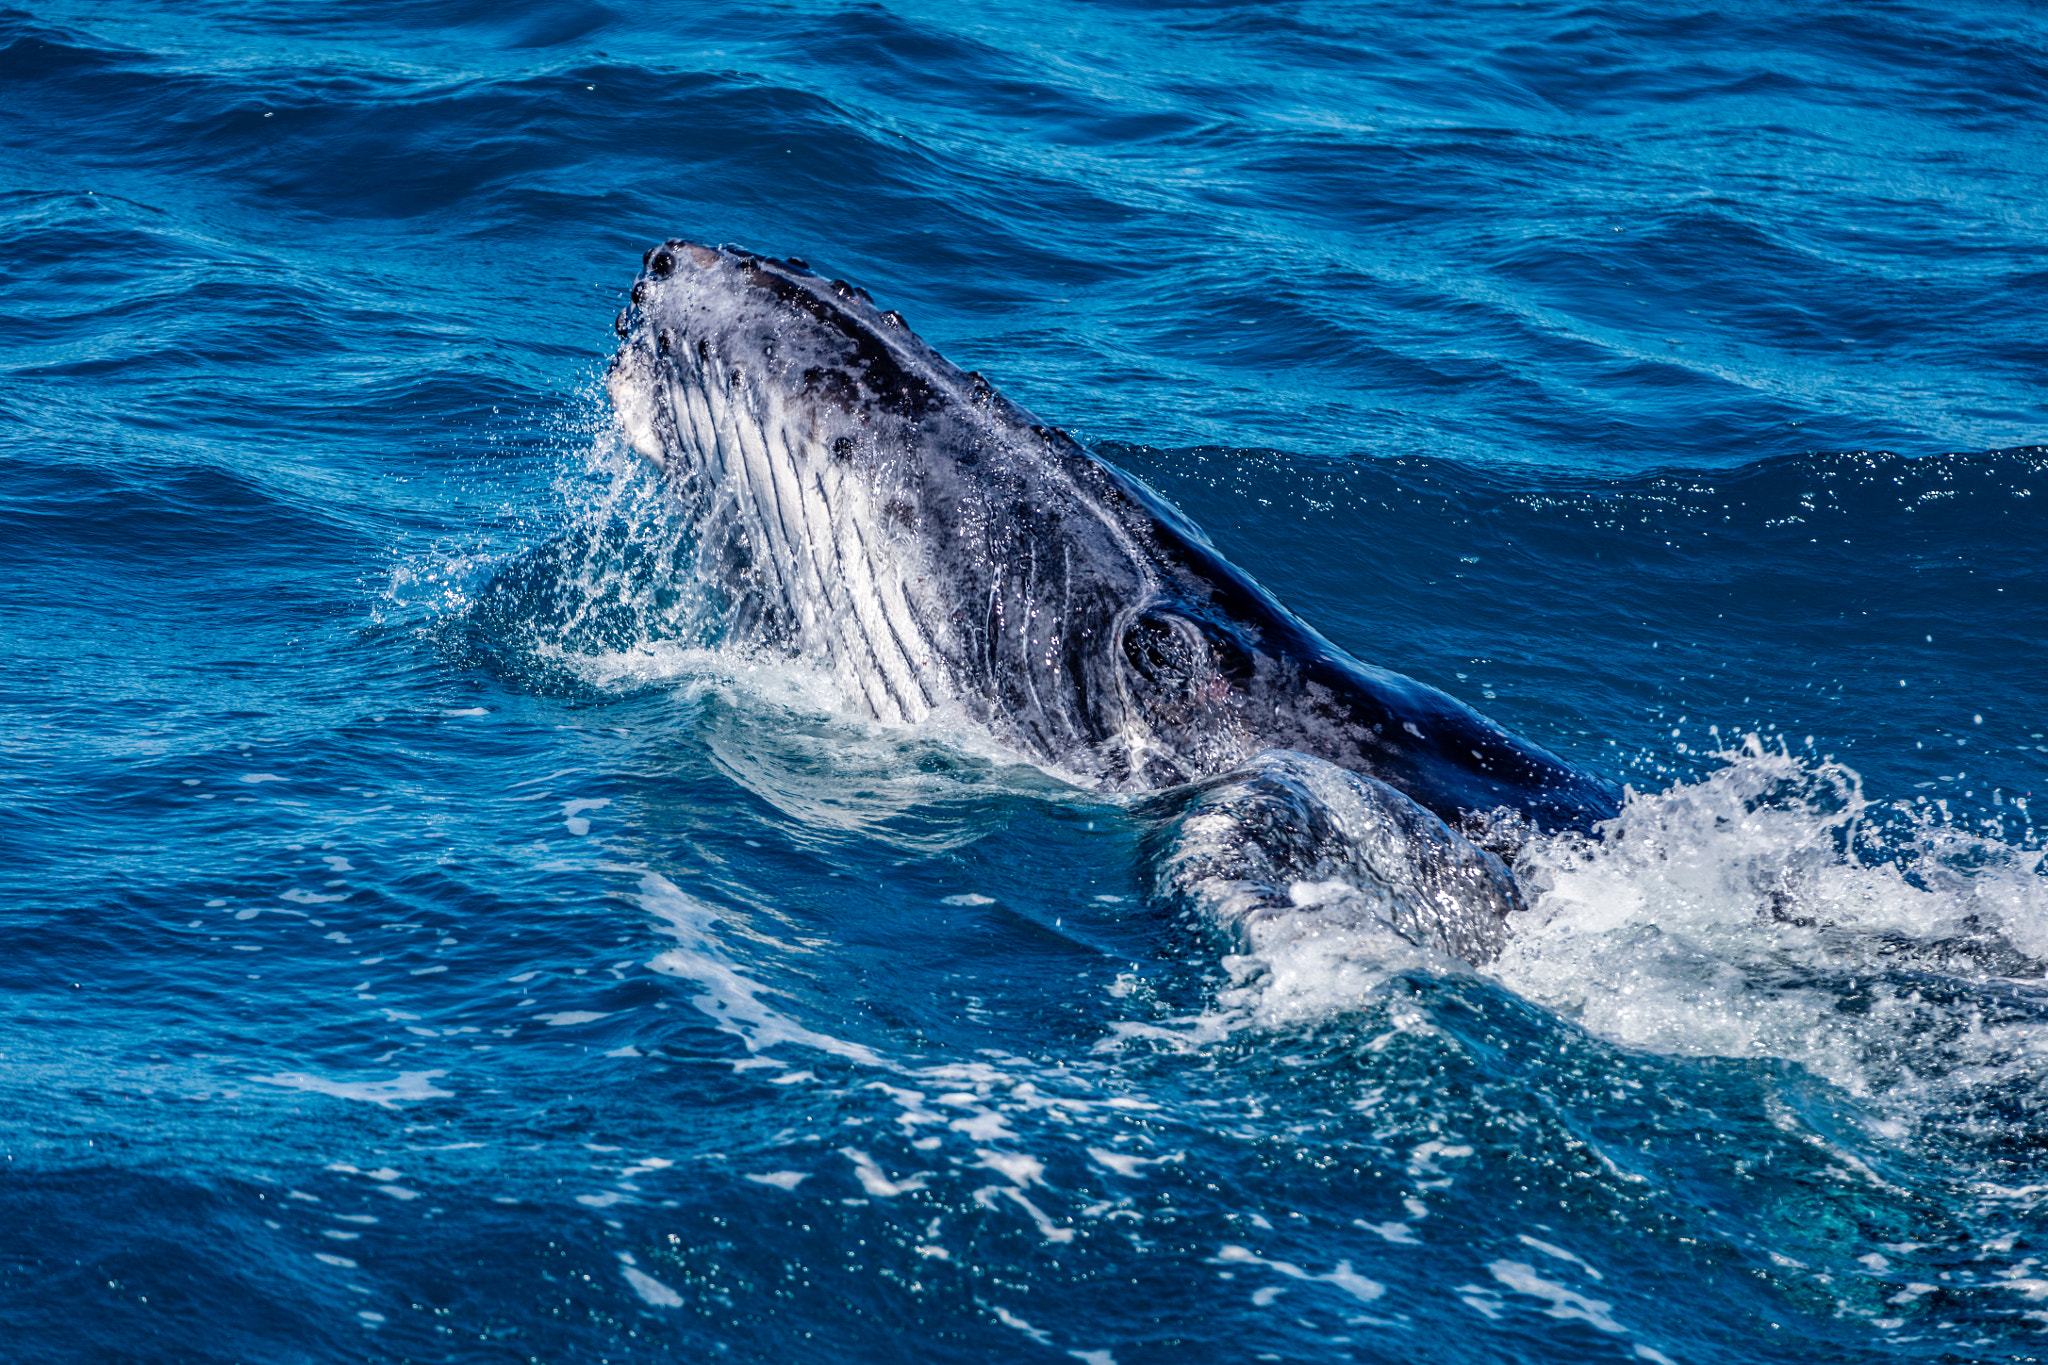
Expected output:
(687, 287)
(702, 315)
(676, 254)
(663, 295)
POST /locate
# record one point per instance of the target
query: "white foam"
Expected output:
(1125, 1164)
(1024, 1170)
(1730, 917)
(1343, 1276)
(651, 1289)
(1053, 1232)
(1573, 1258)
(572, 813)
(408, 1085)
(1398, 1233)
(381, 1173)
(1015, 1323)
(1722, 917)
(1564, 1302)
(800, 745)
(872, 1179)
(730, 997)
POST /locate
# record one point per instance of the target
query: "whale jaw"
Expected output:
(866, 503)
(823, 456)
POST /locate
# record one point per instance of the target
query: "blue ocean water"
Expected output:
(421, 946)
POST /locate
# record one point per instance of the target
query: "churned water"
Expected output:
(422, 944)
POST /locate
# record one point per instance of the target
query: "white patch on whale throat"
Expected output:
(818, 549)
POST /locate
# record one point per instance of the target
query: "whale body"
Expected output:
(857, 499)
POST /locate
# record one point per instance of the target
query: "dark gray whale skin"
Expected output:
(858, 499)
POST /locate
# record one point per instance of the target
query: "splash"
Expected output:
(1770, 911)
(1766, 911)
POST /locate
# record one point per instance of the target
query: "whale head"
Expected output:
(856, 497)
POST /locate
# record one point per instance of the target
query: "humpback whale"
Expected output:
(856, 498)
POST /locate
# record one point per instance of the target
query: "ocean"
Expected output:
(424, 943)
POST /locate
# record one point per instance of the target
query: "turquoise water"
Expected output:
(422, 947)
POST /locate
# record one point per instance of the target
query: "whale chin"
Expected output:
(632, 392)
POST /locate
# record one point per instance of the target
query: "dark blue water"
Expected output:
(420, 948)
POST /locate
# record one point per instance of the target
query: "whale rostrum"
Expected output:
(857, 499)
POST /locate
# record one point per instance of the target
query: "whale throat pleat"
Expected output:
(834, 587)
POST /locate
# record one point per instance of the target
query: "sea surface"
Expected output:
(418, 945)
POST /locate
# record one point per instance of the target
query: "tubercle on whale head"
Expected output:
(649, 327)
(720, 312)
(675, 266)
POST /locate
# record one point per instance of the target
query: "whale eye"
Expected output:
(662, 264)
